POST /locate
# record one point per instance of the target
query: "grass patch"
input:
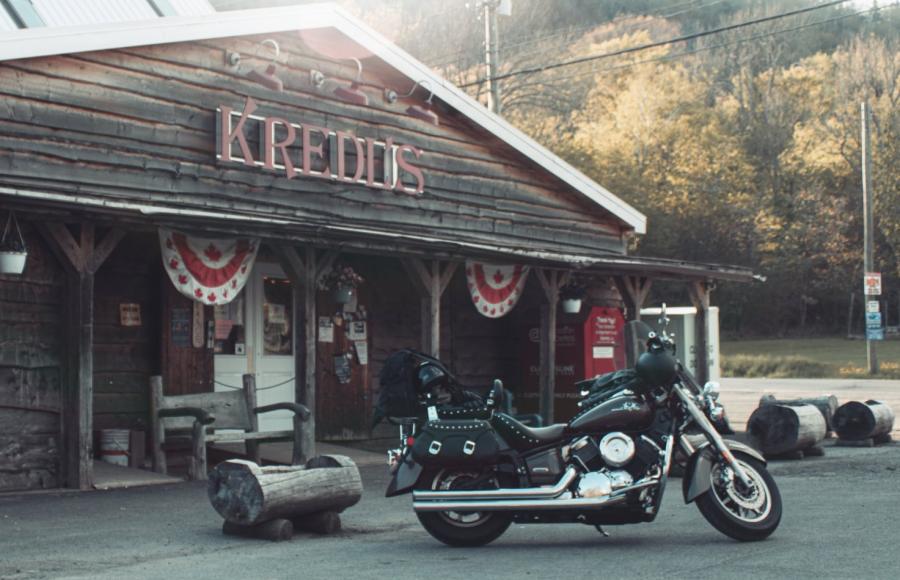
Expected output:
(808, 358)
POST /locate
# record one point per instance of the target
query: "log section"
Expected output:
(856, 421)
(826, 404)
(782, 429)
(247, 494)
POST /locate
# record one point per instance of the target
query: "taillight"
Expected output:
(410, 440)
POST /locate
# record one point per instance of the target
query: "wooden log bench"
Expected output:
(198, 417)
(826, 404)
(788, 431)
(864, 424)
(271, 502)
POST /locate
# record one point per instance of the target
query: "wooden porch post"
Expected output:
(81, 260)
(303, 273)
(699, 292)
(551, 281)
(634, 291)
(431, 280)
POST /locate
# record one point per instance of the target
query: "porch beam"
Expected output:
(303, 270)
(699, 292)
(634, 291)
(551, 282)
(431, 279)
(81, 260)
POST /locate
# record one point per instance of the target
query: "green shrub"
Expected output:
(782, 367)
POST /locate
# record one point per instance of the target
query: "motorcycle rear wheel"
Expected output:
(462, 529)
(747, 515)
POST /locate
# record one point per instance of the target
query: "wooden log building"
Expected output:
(337, 146)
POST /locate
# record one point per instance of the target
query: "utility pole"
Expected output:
(869, 223)
(491, 53)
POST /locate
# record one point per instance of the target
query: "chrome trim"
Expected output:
(532, 504)
(500, 494)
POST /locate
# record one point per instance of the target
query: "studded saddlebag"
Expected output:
(444, 442)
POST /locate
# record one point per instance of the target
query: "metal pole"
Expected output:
(869, 224)
(491, 55)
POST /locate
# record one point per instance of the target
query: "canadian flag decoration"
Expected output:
(495, 289)
(211, 271)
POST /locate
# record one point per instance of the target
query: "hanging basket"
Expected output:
(571, 305)
(344, 294)
(13, 253)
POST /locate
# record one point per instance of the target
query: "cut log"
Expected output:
(855, 421)
(782, 429)
(277, 530)
(826, 404)
(327, 522)
(245, 493)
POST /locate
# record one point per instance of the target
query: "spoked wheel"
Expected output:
(463, 528)
(743, 513)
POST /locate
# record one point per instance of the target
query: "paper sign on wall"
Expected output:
(358, 330)
(362, 351)
(326, 329)
(130, 314)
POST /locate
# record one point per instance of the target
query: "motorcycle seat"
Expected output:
(522, 437)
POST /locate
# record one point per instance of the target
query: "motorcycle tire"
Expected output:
(739, 515)
(464, 529)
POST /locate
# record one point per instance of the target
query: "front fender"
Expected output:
(696, 480)
(405, 478)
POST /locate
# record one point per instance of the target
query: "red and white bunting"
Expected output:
(495, 289)
(211, 271)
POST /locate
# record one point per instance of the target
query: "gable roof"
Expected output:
(40, 42)
(53, 13)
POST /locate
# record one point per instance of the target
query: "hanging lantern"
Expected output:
(13, 252)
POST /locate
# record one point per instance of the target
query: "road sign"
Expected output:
(873, 320)
(873, 306)
(874, 334)
(872, 284)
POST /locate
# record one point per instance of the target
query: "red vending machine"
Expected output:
(587, 344)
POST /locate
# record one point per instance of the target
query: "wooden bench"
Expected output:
(196, 415)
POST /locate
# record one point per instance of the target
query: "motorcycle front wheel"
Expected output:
(744, 513)
(462, 528)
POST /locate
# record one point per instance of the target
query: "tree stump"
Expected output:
(826, 404)
(855, 421)
(785, 429)
(248, 495)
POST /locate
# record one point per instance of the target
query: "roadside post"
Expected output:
(872, 280)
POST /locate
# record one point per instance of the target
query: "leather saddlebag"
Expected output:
(445, 442)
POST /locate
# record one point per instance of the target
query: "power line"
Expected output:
(682, 38)
(675, 56)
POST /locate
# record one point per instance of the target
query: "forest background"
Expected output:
(741, 147)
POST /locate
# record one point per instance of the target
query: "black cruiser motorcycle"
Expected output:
(474, 470)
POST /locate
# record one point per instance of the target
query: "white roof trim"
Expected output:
(39, 42)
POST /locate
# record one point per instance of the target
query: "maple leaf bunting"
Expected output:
(207, 270)
(495, 290)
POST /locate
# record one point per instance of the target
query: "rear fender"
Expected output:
(405, 478)
(696, 480)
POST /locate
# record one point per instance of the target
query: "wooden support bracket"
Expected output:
(431, 280)
(634, 291)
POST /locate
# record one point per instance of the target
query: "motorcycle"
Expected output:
(473, 470)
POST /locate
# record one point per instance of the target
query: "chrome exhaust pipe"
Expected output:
(528, 504)
(500, 494)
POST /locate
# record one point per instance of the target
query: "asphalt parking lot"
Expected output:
(840, 521)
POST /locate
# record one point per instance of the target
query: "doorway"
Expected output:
(255, 334)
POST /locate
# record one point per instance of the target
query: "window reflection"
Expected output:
(277, 316)
(230, 325)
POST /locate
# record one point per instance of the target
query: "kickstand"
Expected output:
(602, 531)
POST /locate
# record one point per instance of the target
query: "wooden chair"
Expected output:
(194, 415)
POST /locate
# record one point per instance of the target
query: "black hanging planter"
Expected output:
(12, 248)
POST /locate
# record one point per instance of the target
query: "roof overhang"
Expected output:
(38, 42)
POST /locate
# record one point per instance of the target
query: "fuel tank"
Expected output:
(627, 413)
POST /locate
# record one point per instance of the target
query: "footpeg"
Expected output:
(602, 531)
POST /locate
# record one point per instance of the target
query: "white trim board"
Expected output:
(37, 42)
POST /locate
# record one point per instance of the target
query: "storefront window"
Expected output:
(230, 326)
(277, 315)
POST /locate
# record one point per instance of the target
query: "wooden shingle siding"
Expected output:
(140, 125)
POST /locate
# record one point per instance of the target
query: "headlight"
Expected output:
(711, 390)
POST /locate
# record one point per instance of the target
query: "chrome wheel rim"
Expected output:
(447, 480)
(748, 504)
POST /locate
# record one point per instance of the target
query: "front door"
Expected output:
(255, 334)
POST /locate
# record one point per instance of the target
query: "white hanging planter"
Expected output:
(12, 262)
(12, 258)
(571, 305)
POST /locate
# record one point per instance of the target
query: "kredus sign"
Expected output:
(277, 144)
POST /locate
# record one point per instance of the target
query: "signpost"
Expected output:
(872, 280)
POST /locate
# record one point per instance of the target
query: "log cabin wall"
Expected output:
(139, 125)
(126, 356)
(31, 367)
